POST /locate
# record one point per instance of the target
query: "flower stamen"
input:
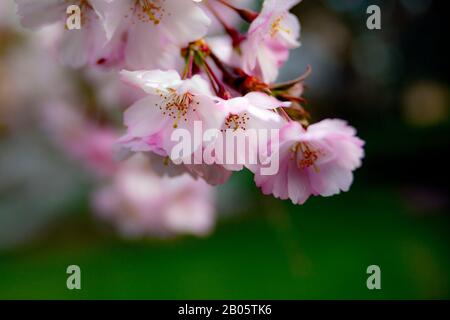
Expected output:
(308, 156)
(149, 12)
(277, 27)
(235, 121)
(176, 106)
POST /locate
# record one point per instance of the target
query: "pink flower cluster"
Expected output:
(187, 74)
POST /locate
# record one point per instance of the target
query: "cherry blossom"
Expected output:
(254, 112)
(75, 47)
(318, 160)
(171, 103)
(150, 33)
(270, 37)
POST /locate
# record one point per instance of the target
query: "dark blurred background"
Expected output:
(391, 84)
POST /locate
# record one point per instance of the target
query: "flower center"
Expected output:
(276, 27)
(176, 106)
(236, 121)
(308, 155)
(149, 11)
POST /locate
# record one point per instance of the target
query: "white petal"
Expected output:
(297, 184)
(267, 63)
(290, 31)
(78, 47)
(144, 117)
(264, 101)
(208, 111)
(152, 81)
(147, 46)
(112, 14)
(330, 180)
(187, 21)
(197, 85)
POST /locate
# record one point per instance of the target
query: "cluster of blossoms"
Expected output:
(187, 75)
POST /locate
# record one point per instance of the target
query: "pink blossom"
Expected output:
(75, 47)
(116, 33)
(253, 112)
(171, 103)
(141, 203)
(270, 37)
(318, 160)
(150, 33)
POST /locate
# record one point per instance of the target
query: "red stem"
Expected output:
(219, 87)
(190, 63)
(245, 14)
(284, 114)
(234, 34)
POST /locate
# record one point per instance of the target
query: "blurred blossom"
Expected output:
(141, 203)
(426, 103)
(29, 77)
(8, 17)
(149, 35)
(132, 195)
(111, 93)
(75, 47)
(81, 139)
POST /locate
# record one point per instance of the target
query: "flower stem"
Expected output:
(288, 84)
(247, 15)
(234, 34)
(284, 114)
(219, 87)
(187, 73)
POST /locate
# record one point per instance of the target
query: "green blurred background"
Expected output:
(392, 85)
